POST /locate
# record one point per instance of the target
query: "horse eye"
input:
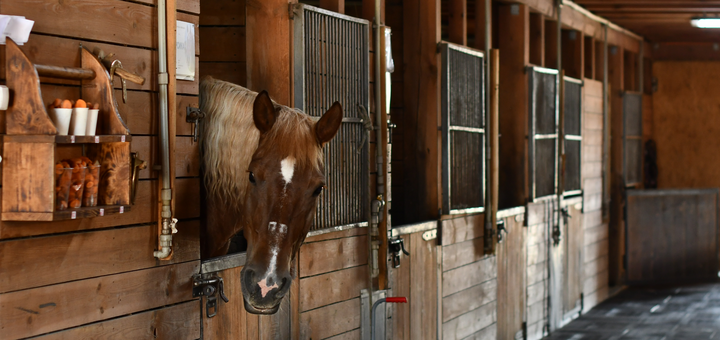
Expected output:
(318, 190)
(252, 177)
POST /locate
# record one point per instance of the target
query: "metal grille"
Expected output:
(632, 143)
(573, 136)
(463, 134)
(543, 132)
(331, 54)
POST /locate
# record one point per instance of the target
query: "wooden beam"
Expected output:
(422, 107)
(551, 44)
(537, 39)
(572, 53)
(333, 5)
(616, 83)
(514, 40)
(599, 60)
(457, 25)
(684, 51)
(480, 24)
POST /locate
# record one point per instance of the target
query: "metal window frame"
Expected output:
(627, 184)
(447, 128)
(579, 137)
(300, 93)
(533, 137)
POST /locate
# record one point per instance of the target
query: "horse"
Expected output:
(263, 172)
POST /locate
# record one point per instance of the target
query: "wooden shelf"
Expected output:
(67, 139)
(70, 214)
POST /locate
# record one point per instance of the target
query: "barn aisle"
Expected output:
(681, 313)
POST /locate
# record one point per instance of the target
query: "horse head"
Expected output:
(286, 176)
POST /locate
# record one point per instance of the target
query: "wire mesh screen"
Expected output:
(463, 122)
(632, 117)
(543, 132)
(573, 136)
(331, 64)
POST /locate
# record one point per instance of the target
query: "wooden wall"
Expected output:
(97, 278)
(686, 125)
(595, 240)
(469, 281)
(222, 28)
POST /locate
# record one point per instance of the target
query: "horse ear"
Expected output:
(263, 112)
(329, 123)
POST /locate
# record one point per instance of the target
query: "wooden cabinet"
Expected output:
(32, 147)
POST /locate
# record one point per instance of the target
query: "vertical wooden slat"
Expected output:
(551, 44)
(457, 26)
(616, 85)
(537, 39)
(511, 277)
(590, 65)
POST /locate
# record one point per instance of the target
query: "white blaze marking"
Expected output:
(272, 267)
(287, 169)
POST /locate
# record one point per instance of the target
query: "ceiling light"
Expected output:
(705, 22)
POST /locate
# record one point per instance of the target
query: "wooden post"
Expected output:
(599, 63)
(480, 34)
(551, 44)
(514, 41)
(590, 66)
(457, 26)
(537, 39)
(422, 102)
(572, 53)
(333, 5)
(494, 130)
(616, 87)
(368, 10)
(630, 71)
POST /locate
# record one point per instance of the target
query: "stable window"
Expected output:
(543, 136)
(573, 137)
(632, 138)
(331, 54)
(463, 129)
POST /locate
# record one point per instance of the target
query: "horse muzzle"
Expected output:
(263, 295)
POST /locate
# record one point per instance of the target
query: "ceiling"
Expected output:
(659, 20)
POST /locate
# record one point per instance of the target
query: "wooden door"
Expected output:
(672, 235)
(232, 322)
(511, 279)
(573, 235)
(416, 279)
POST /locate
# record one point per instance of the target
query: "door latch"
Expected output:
(209, 286)
(193, 115)
(395, 246)
(501, 230)
(137, 164)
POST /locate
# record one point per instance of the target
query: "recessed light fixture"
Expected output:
(705, 22)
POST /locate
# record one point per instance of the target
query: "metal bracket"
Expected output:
(137, 165)
(395, 246)
(390, 126)
(501, 230)
(193, 115)
(208, 285)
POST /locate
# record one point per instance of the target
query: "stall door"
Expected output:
(672, 236)
(231, 321)
(573, 262)
(511, 279)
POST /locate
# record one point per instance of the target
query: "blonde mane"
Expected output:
(230, 138)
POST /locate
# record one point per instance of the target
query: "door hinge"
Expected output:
(209, 285)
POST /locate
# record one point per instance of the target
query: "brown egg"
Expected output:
(66, 104)
(80, 103)
(56, 103)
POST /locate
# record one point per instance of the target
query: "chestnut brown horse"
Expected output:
(263, 168)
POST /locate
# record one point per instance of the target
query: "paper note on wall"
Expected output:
(16, 28)
(185, 51)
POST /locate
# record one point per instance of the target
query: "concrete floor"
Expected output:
(682, 313)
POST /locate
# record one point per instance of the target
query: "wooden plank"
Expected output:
(179, 322)
(333, 5)
(222, 12)
(351, 335)
(595, 267)
(487, 333)
(462, 253)
(40, 310)
(114, 21)
(330, 320)
(28, 177)
(467, 276)
(551, 44)
(144, 211)
(511, 277)
(468, 300)
(574, 271)
(401, 286)
(332, 287)
(423, 284)
(234, 72)
(537, 39)
(599, 60)
(331, 255)
(589, 55)
(462, 229)
(65, 257)
(187, 156)
(457, 21)
(226, 43)
(231, 318)
(596, 250)
(333, 235)
(469, 323)
(514, 39)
